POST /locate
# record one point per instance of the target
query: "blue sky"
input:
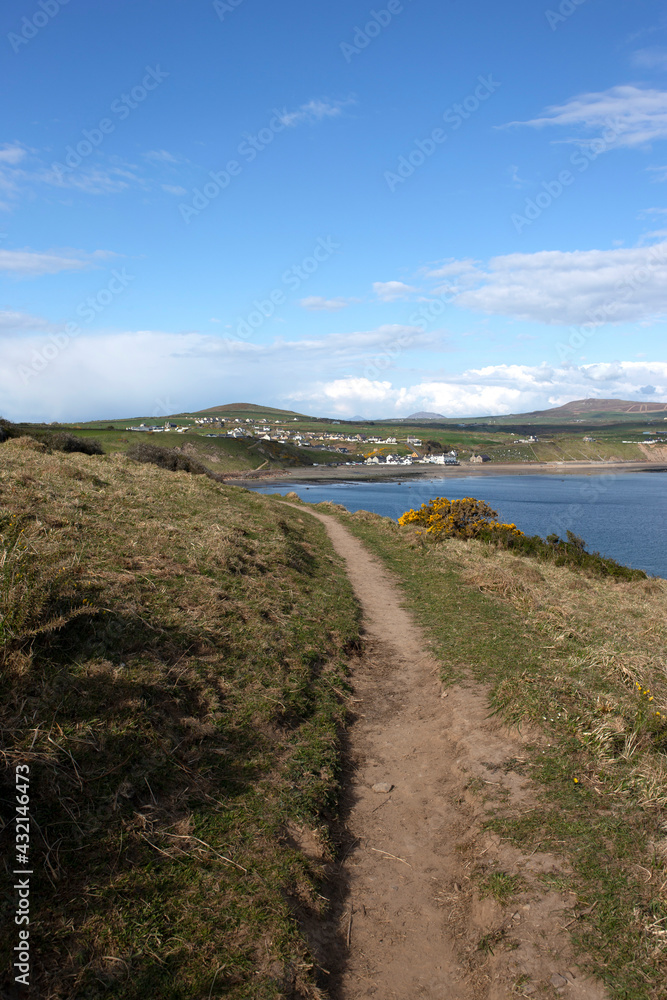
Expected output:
(346, 210)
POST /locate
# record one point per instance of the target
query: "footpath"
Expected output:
(411, 920)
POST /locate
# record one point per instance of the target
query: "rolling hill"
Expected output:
(587, 407)
(426, 415)
(252, 409)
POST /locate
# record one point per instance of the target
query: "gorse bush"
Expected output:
(469, 518)
(466, 518)
(563, 552)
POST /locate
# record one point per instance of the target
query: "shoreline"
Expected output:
(360, 473)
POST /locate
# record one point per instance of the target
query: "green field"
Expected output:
(561, 435)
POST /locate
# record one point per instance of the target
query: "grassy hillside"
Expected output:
(223, 454)
(173, 672)
(249, 410)
(564, 437)
(578, 659)
(220, 454)
(604, 408)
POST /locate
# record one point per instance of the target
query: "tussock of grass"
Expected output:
(581, 657)
(173, 672)
(502, 886)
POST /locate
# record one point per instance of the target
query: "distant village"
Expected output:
(347, 446)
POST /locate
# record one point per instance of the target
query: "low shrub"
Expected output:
(69, 443)
(169, 458)
(165, 458)
(563, 552)
(60, 441)
(470, 518)
(9, 430)
(465, 518)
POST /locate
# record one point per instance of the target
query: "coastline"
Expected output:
(361, 473)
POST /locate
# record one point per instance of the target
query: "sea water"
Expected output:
(621, 515)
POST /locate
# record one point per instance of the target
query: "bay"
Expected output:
(621, 515)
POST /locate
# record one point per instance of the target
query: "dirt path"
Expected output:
(411, 921)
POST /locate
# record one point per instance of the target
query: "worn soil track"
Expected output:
(410, 919)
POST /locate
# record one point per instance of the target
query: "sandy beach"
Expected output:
(370, 473)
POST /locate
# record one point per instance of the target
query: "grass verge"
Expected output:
(173, 672)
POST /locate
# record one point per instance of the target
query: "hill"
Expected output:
(172, 671)
(178, 661)
(425, 415)
(590, 406)
(219, 454)
(573, 410)
(252, 409)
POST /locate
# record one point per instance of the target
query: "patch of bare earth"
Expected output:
(414, 918)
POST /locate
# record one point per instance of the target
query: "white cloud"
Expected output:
(462, 270)
(637, 115)
(659, 171)
(12, 323)
(12, 153)
(109, 375)
(353, 348)
(390, 291)
(575, 287)
(314, 111)
(651, 58)
(27, 263)
(24, 171)
(19, 178)
(500, 389)
(316, 303)
(161, 156)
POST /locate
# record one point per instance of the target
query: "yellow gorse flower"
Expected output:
(465, 518)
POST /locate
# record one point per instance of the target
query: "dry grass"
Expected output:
(619, 667)
(173, 657)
